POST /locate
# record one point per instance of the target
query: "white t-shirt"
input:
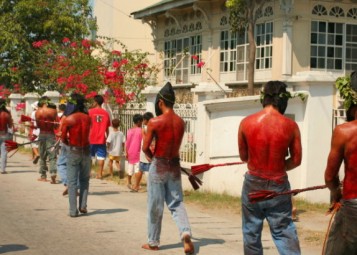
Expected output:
(115, 140)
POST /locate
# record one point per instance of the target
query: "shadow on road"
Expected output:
(12, 247)
(197, 242)
(106, 211)
(104, 193)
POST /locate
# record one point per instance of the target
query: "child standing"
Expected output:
(115, 145)
(133, 147)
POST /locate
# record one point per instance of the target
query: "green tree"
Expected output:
(23, 22)
(242, 18)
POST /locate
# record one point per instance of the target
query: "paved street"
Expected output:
(33, 220)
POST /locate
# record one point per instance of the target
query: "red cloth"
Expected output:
(100, 124)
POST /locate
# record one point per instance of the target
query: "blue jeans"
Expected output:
(342, 239)
(164, 185)
(45, 147)
(78, 168)
(62, 163)
(276, 211)
(3, 152)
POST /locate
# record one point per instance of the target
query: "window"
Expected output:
(178, 63)
(228, 53)
(328, 41)
(264, 42)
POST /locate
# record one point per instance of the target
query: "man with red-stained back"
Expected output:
(264, 140)
(343, 233)
(5, 124)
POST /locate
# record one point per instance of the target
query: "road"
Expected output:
(34, 220)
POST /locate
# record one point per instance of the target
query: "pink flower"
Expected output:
(195, 57)
(116, 64)
(200, 64)
(61, 80)
(116, 52)
(124, 61)
(66, 40)
(86, 43)
(73, 45)
(91, 94)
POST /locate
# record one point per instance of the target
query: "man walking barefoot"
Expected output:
(164, 182)
(264, 140)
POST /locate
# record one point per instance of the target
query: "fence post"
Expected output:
(150, 94)
(53, 95)
(30, 98)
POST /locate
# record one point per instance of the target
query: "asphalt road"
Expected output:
(34, 220)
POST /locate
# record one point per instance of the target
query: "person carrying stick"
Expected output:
(264, 140)
(343, 232)
(5, 123)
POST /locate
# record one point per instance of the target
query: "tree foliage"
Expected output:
(23, 22)
(242, 18)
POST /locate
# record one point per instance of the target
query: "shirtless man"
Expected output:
(164, 181)
(46, 117)
(5, 124)
(343, 234)
(264, 140)
(75, 134)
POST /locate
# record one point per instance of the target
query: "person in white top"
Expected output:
(115, 145)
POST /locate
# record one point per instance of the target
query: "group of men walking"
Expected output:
(268, 141)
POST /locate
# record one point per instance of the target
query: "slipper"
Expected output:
(4, 172)
(82, 210)
(53, 180)
(42, 179)
(36, 160)
(151, 248)
(134, 190)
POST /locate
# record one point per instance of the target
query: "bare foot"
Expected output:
(42, 179)
(151, 248)
(188, 245)
(65, 192)
(53, 179)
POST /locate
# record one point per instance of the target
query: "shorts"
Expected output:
(114, 158)
(144, 167)
(99, 151)
(133, 168)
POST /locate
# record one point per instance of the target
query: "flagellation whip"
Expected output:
(25, 118)
(195, 181)
(198, 169)
(268, 194)
(12, 145)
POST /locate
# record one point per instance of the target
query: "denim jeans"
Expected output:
(276, 211)
(342, 239)
(62, 163)
(164, 185)
(45, 147)
(3, 152)
(78, 168)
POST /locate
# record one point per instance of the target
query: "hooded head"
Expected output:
(275, 94)
(167, 95)
(76, 103)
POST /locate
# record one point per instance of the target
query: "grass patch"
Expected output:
(214, 200)
(303, 205)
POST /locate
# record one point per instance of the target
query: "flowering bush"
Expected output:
(89, 67)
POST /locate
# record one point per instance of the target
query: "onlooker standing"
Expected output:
(46, 117)
(75, 133)
(98, 132)
(264, 138)
(144, 162)
(62, 158)
(115, 145)
(133, 147)
(6, 123)
(164, 182)
(343, 233)
(34, 132)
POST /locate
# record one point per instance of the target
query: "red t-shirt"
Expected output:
(100, 123)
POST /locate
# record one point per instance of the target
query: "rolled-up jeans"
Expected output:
(276, 211)
(3, 151)
(62, 163)
(164, 185)
(46, 143)
(78, 168)
(342, 239)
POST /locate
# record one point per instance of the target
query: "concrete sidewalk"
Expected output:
(34, 220)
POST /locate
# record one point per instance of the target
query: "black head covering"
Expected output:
(167, 94)
(75, 104)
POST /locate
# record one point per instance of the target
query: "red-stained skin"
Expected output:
(75, 129)
(343, 148)
(168, 130)
(5, 121)
(45, 118)
(264, 140)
